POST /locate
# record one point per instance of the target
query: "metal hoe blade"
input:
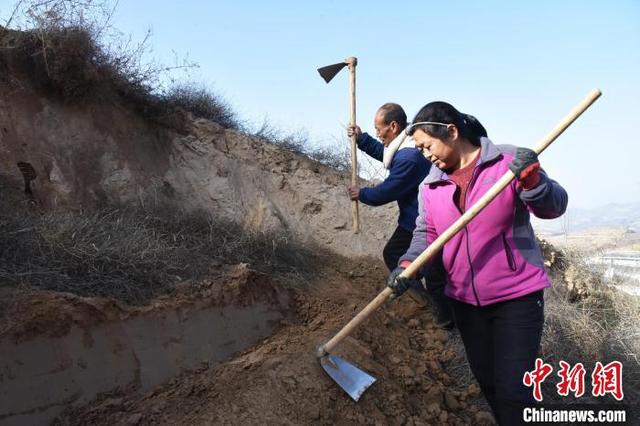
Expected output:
(349, 377)
(330, 71)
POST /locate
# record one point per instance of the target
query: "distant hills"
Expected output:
(626, 216)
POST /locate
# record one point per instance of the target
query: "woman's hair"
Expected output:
(441, 112)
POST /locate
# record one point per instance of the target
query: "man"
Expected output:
(407, 169)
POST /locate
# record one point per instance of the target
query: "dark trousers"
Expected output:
(397, 245)
(502, 342)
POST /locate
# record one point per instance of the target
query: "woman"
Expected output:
(494, 267)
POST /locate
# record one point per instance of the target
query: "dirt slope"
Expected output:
(83, 156)
(421, 375)
(99, 153)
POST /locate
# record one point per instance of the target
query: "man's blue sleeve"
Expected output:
(371, 146)
(404, 177)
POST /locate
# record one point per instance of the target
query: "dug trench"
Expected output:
(248, 357)
(60, 350)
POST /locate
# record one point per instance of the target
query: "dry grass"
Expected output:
(587, 320)
(134, 253)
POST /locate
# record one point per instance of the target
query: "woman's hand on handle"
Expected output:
(399, 284)
(526, 167)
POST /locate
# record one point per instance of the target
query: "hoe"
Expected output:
(327, 73)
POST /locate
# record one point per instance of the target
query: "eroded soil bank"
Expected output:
(421, 372)
(58, 351)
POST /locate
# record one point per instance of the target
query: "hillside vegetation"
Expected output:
(117, 186)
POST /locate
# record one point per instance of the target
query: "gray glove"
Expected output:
(526, 167)
(399, 284)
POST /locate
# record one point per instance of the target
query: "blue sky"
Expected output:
(518, 66)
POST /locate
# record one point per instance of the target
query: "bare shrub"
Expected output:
(339, 159)
(62, 43)
(296, 142)
(68, 48)
(202, 103)
(71, 62)
(299, 143)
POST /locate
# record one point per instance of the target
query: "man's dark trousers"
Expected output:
(397, 245)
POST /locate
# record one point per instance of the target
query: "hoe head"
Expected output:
(349, 377)
(330, 71)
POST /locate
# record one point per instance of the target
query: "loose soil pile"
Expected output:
(421, 372)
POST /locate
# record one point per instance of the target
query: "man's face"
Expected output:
(385, 132)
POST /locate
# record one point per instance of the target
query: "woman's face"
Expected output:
(441, 153)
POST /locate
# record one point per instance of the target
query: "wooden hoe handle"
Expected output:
(437, 245)
(352, 62)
